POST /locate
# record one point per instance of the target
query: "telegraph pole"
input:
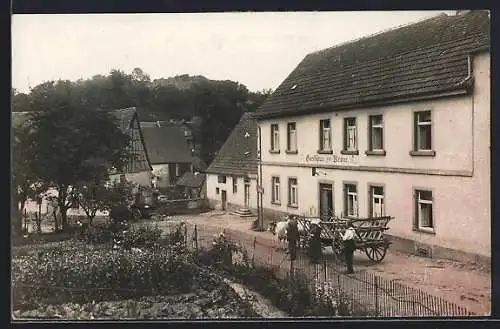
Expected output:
(260, 189)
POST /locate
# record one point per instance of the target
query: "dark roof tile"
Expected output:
(166, 145)
(238, 155)
(190, 179)
(423, 58)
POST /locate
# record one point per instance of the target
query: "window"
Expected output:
(377, 208)
(291, 137)
(325, 135)
(350, 136)
(292, 192)
(235, 184)
(275, 138)
(275, 190)
(423, 210)
(123, 179)
(376, 135)
(221, 179)
(351, 200)
(217, 190)
(423, 134)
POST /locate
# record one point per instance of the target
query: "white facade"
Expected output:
(456, 173)
(234, 191)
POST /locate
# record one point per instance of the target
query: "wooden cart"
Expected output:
(371, 235)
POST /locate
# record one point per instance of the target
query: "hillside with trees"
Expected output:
(214, 106)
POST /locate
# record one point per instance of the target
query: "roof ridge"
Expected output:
(409, 52)
(394, 28)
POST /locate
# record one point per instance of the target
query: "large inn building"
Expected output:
(393, 124)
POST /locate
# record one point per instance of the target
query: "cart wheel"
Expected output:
(376, 253)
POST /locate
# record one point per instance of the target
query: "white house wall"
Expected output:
(233, 199)
(161, 170)
(142, 178)
(458, 174)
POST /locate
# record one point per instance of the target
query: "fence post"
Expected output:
(195, 237)
(185, 235)
(376, 296)
(324, 269)
(253, 251)
(292, 270)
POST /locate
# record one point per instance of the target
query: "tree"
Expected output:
(23, 176)
(72, 143)
(93, 197)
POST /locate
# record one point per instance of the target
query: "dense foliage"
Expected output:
(213, 106)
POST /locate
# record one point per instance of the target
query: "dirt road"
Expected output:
(463, 284)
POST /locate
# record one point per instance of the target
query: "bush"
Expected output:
(59, 275)
(122, 213)
(143, 237)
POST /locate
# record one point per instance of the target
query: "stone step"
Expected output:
(243, 213)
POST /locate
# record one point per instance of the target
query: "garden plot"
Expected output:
(152, 277)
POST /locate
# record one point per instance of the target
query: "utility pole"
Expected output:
(260, 189)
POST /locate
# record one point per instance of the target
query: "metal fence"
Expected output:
(368, 293)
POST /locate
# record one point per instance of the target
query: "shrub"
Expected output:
(143, 237)
(59, 274)
(121, 212)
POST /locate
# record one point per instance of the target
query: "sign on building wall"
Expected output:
(332, 159)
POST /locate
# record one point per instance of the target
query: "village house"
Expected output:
(232, 175)
(138, 167)
(396, 124)
(169, 154)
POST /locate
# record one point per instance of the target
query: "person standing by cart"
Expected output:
(315, 249)
(348, 238)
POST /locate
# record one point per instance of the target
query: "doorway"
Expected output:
(247, 192)
(326, 208)
(223, 197)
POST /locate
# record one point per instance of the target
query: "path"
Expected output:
(463, 284)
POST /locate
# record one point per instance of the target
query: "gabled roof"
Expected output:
(128, 121)
(421, 59)
(238, 155)
(125, 117)
(166, 145)
(190, 179)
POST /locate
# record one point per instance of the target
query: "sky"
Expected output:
(256, 49)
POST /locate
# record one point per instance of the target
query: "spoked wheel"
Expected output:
(376, 253)
(338, 249)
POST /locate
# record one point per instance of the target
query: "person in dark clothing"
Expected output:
(315, 250)
(349, 246)
(292, 237)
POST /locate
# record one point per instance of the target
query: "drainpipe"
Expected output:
(469, 76)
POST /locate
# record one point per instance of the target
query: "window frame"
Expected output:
(322, 134)
(221, 179)
(348, 149)
(295, 187)
(235, 184)
(371, 128)
(417, 201)
(275, 190)
(275, 138)
(346, 185)
(289, 130)
(417, 126)
(371, 195)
